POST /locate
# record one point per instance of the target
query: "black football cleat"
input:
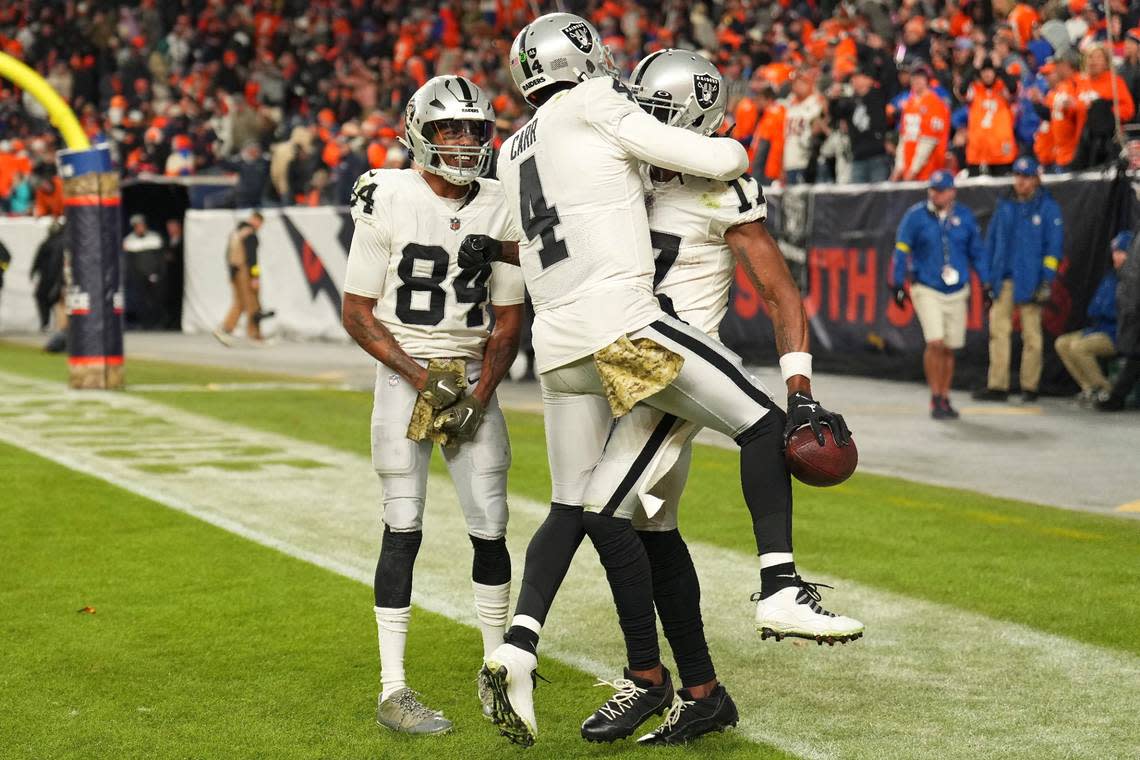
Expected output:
(990, 394)
(689, 718)
(634, 700)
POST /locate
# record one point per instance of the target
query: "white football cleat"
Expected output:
(509, 673)
(795, 611)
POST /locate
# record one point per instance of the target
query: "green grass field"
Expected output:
(206, 644)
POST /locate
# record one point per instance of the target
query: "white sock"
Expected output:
(775, 558)
(392, 629)
(491, 603)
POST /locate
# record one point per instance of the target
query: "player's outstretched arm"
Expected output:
(501, 349)
(760, 258)
(681, 150)
(371, 335)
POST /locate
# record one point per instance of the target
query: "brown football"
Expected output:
(815, 465)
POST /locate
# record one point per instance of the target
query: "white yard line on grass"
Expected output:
(928, 680)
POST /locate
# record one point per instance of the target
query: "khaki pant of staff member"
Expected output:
(1001, 328)
(1080, 352)
(244, 301)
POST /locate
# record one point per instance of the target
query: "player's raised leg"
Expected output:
(714, 390)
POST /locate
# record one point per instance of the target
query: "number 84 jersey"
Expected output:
(688, 217)
(404, 254)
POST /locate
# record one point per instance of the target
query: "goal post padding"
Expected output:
(94, 292)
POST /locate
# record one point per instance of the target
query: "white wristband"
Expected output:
(795, 363)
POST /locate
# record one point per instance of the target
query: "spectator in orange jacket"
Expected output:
(49, 196)
(1023, 18)
(1066, 112)
(1097, 83)
(990, 144)
(767, 149)
(924, 130)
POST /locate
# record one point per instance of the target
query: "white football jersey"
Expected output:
(575, 196)
(404, 254)
(798, 119)
(688, 217)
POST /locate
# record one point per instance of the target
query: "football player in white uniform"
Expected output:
(700, 230)
(573, 185)
(408, 304)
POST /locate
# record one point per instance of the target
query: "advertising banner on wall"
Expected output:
(22, 238)
(845, 237)
(302, 255)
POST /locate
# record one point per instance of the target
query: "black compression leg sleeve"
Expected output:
(491, 563)
(766, 483)
(631, 582)
(393, 584)
(677, 594)
(548, 557)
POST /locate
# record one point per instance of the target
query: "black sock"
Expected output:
(766, 484)
(631, 582)
(392, 586)
(491, 563)
(777, 578)
(677, 596)
(548, 557)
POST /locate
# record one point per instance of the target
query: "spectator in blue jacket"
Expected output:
(938, 242)
(1080, 350)
(1024, 240)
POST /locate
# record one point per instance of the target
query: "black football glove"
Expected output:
(461, 421)
(900, 297)
(802, 410)
(478, 251)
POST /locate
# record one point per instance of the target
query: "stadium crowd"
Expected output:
(298, 97)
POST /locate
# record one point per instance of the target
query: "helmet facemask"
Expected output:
(457, 149)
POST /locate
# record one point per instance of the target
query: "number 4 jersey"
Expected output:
(688, 217)
(403, 254)
(571, 177)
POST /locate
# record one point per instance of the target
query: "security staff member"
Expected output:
(145, 275)
(938, 242)
(1081, 350)
(245, 279)
(1024, 239)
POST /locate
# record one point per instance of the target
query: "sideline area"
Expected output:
(1051, 452)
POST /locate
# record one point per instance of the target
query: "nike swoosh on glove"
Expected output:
(803, 410)
(461, 421)
(443, 387)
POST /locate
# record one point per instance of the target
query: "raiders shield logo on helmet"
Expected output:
(579, 34)
(707, 90)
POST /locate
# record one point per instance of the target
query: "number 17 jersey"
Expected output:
(404, 254)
